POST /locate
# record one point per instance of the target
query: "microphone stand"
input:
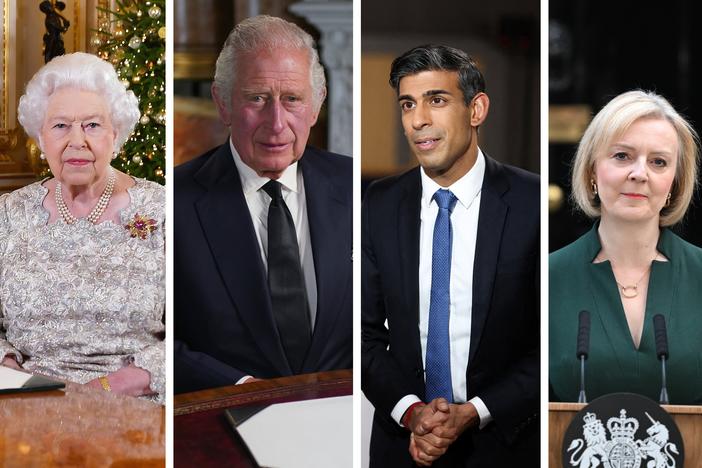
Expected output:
(664, 391)
(662, 352)
(581, 395)
(582, 349)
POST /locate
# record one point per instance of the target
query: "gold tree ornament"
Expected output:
(118, 33)
(154, 12)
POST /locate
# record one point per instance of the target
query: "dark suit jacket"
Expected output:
(224, 325)
(503, 367)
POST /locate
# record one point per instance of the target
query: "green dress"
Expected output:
(614, 363)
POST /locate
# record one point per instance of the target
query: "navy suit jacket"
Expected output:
(224, 324)
(503, 366)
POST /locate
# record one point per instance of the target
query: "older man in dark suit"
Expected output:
(263, 224)
(450, 267)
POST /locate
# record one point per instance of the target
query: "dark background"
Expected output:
(502, 34)
(599, 49)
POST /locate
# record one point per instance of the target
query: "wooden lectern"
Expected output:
(688, 419)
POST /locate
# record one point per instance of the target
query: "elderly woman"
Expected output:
(82, 253)
(635, 174)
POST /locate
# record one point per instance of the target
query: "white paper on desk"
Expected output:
(11, 378)
(302, 434)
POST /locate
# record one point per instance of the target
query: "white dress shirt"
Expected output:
(258, 200)
(464, 223)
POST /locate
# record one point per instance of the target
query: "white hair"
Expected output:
(265, 32)
(82, 71)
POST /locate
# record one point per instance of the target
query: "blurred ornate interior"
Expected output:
(201, 27)
(21, 43)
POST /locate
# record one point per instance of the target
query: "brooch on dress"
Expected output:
(141, 226)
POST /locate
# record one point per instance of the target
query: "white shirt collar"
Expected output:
(466, 188)
(252, 182)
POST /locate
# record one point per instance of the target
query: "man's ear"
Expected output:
(481, 106)
(315, 116)
(223, 108)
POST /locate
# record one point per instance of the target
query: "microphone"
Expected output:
(662, 353)
(582, 349)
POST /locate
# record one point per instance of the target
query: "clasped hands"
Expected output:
(435, 426)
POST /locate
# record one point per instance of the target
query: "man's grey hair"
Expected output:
(266, 33)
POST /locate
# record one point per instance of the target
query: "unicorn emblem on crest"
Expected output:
(657, 447)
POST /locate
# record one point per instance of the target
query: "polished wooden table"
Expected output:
(80, 426)
(202, 436)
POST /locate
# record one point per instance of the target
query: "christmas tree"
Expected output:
(133, 39)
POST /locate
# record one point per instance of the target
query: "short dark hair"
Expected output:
(432, 57)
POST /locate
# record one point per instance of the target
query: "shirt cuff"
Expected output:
(399, 410)
(243, 379)
(483, 411)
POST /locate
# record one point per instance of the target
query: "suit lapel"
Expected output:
(491, 220)
(408, 226)
(226, 223)
(328, 215)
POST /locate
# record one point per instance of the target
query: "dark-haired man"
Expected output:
(450, 315)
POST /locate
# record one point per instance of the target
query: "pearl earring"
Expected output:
(42, 156)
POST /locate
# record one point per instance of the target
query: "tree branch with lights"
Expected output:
(133, 39)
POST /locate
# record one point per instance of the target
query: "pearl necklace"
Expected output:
(97, 211)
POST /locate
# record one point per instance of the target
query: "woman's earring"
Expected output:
(114, 155)
(667, 201)
(42, 156)
(593, 185)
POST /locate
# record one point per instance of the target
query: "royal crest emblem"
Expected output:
(622, 449)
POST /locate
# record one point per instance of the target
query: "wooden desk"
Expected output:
(80, 426)
(688, 419)
(202, 436)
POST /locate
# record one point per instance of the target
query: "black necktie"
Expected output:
(286, 281)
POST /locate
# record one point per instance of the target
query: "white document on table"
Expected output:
(302, 434)
(11, 378)
(12, 381)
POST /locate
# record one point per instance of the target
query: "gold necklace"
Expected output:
(631, 291)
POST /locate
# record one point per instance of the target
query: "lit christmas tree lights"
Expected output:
(133, 39)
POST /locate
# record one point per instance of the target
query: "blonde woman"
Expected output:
(634, 173)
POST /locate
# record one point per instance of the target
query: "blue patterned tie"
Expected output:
(438, 360)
